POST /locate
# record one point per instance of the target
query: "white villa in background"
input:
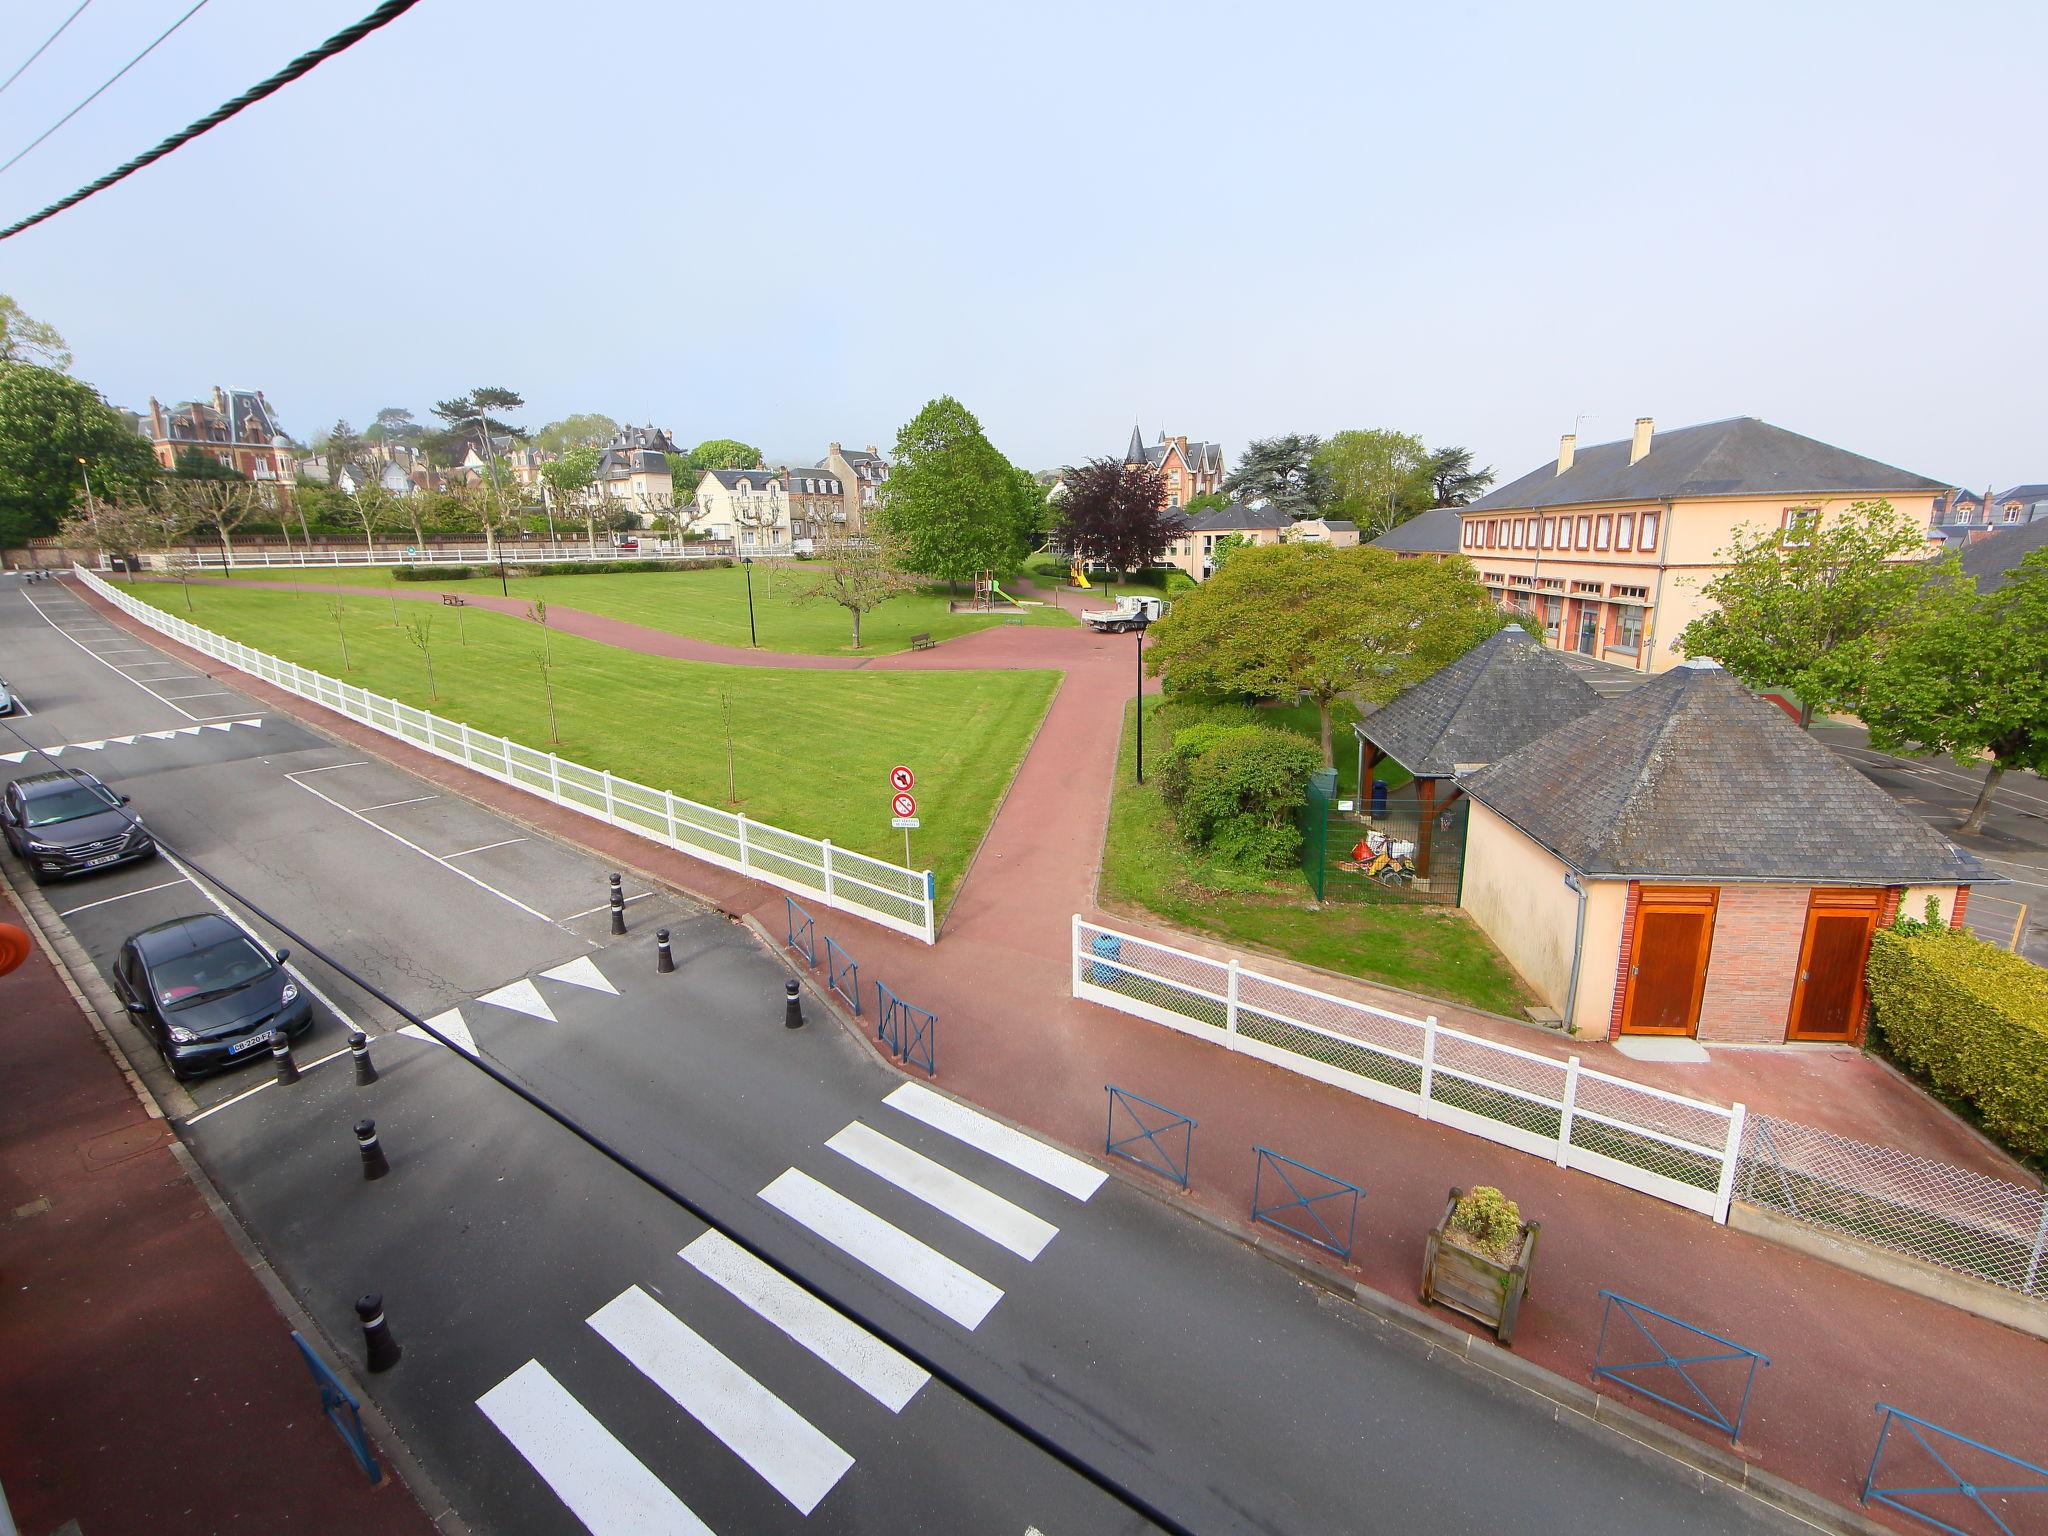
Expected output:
(771, 510)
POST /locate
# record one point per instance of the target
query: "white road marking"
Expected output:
(299, 976)
(250, 1093)
(605, 1485)
(138, 682)
(211, 693)
(593, 911)
(944, 1190)
(895, 1255)
(388, 804)
(332, 766)
(841, 1343)
(1059, 1169)
(582, 972)
(521, 996)
(108, 900)
(484, 885)
(795, 1457)
(466, 852)
(451, 1024)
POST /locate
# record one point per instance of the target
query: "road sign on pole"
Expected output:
(901, 778)
(903, 805)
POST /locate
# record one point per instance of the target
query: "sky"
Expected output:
(794, 223)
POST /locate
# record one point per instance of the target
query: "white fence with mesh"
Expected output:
(885, 893)
(1664, 1144)
(512, 552)
(1955, 1218)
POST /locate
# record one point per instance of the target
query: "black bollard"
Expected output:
(375, 1163)
(281, 1053)
(359, 1049)
(664, 961)
(792, 1007)
(618, 906)
(381, 1349)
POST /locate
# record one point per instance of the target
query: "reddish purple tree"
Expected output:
(1115, 514)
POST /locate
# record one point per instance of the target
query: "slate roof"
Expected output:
(2023, 493)
(732, 477)
(1434, 532)
(1201, 457)
(1499, 696)
(1693, 777)
(1237, 518)
(1989, 561)
(1738, 457)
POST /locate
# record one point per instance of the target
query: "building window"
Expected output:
(1624, 530)
(1531, 526)
(1797, 521)
(1628, 629)
(1603, 526)
(1492, 534)
(1549, 532)
(1585, 533)
(1515, 528)
(1649, 539)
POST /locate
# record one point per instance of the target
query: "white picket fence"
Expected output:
(1664, 1144)
(511, 552)
(885, 893)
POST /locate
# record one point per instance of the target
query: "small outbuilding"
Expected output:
(1500, 695)
(1686, 861)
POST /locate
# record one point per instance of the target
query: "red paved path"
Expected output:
(146, 1382)
(1013, 1039)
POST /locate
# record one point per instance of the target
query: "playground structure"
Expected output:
(1077, 577)
(988, 597)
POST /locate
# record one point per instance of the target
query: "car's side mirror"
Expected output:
(283, 955)
(134, 1007)
(124, 799)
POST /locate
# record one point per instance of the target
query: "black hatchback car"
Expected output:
(69, 824)
(208, 994)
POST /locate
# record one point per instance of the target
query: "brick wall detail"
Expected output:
(1628, 939)
(1754, 964)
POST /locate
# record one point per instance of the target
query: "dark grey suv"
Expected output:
(70, 824)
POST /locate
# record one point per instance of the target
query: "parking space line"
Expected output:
(107, 900)
(250, 1093)
(416, 848)
(138, 682)
(480, 848)
(332, 766)
(593, 911)
(388, 804)
(215, 693)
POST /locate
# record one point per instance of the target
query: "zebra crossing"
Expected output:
(613, 1493)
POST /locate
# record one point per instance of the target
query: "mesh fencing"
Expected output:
(1952, 1217)
(887, 893)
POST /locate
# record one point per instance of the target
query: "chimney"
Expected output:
(1567, 450)
(873, 451)
(1639, 445)
(831, 450)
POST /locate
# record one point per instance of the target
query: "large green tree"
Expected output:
(394, 424)
(1453, 481)
(953, 503)
(1285, 472)
(49, 422)
(1113, 514)
(1378, 478)
(1279, 620)
(1804, 606)
(723, 453)
(1967, 674)
(482, 411)
(25, 339)
(586, 429)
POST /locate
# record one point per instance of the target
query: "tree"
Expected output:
(198, 464)
(24, 339)
(394, 424)
(544, 658)
(1112, 514)
(723, 453)
(1208, 501)
(952, 506)
(480, 506)
(420, 632)
(682, 477)
(475, 418)
(219, 505)
(569, 477)
(1279, 620)
(49, 422)
(376, 509)
(858, 574)
(1967, 674)
(1378, 478)
(345, 451)
(1226, 545)
(1035, 515)
(1453, 482)
(1803, 607)
(589, 429)
(338, 606)
(1284, 472)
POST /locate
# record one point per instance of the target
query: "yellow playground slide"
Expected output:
(1080, 577)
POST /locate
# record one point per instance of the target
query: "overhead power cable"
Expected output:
(343, 40)
(95, 96)
(46, 43)
(1072, 1460)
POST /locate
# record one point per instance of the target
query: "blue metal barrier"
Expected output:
(341, 1411)
(1320, 1223)
(1148, 1130)
(1698, 1404)
(800, 935)
(1957, 1485)
(907, 1032)
(842, 973)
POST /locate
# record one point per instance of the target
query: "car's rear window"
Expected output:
(220, 967)
(67, 805)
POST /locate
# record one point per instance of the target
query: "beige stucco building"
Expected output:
(1194, 550)
(862, 474)
(769, 511)
(1609, 546)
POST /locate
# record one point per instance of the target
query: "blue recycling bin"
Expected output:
(1379, 798)
(1107, 946)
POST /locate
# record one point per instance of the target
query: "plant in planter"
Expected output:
(1476, 1259)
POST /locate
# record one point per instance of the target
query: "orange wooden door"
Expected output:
(1827, 1000)
(1667, 960)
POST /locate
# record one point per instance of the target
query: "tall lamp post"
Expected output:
(747, 565)
(92, 511)
(1139, 631)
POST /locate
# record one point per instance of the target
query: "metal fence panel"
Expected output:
(1153, 1137)
(1698, 1389)
(1957, 1478)
(1305, 1201)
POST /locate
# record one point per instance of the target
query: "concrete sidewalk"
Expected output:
(1012, 1038)
(147, 1381)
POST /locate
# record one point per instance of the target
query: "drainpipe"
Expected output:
(1656, 597)
(1572, 882)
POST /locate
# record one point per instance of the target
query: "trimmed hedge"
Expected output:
(613, 567)
(1244, 792)
(1970, 1019)
(432, 573)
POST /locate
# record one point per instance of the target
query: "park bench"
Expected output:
(923, 642)
(454, 600)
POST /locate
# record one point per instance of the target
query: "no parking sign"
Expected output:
(903, 805)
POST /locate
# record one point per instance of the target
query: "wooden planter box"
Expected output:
(1472, 1283)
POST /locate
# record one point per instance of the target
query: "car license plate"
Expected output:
(249, 1044)
(105, 858)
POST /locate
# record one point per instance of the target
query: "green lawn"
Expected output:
(1434, 950)
(709, 604)
(811, 750)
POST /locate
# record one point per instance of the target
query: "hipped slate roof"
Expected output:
(1989, 561)
(1236, 518)
(1738, 457)
(1497, 697)
(1434, 532)
(1692, 777)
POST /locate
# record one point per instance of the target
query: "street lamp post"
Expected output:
(1140, 632)
(753, 638)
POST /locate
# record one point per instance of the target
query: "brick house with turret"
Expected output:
(236, 428)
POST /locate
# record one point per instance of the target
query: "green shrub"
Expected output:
(1970, 1019)
(1189, 743)
(613, 567)
(1243, 793)
(1489, 1220)
(432, 573)
(1178, 582)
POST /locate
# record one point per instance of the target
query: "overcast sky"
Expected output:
(796, 223)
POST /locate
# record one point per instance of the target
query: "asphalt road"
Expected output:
(579, 1355)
